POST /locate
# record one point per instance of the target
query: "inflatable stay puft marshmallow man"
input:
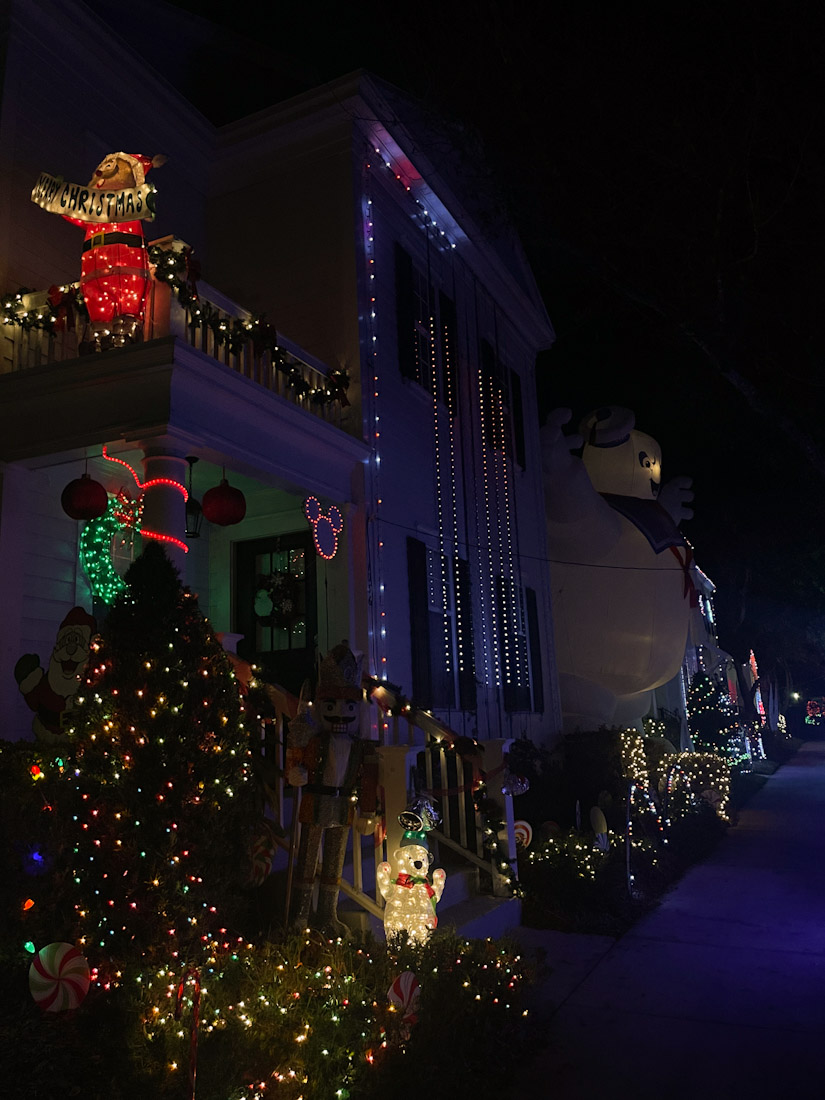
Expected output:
(619, 567)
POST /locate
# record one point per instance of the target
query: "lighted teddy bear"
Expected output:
(410, 898)
(620, 569)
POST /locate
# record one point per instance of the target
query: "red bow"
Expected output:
(408, 881)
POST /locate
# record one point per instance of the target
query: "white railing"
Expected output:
(205, 325)
(449, 780)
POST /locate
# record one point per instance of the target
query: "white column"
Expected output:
(164, 510)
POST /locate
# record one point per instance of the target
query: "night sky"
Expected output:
(664, 165)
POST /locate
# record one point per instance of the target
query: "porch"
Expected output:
(474, 839)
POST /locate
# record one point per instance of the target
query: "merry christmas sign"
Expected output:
(57, 196)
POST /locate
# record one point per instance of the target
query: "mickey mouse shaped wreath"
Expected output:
(410, 899)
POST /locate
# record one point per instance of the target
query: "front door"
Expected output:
(276, 607)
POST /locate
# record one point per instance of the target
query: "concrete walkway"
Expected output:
(719, 994)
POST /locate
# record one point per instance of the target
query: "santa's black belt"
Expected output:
(319, 788)
(134, 240)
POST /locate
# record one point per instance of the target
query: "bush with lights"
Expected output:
(620, 815)
(133, 845)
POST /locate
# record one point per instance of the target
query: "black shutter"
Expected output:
(535, 649)
(467, 688)
(422, 687)
(517, 410)
(405, 312)
(488, 389)
(449, 351)
(512, 649)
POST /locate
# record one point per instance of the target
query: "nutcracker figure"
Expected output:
(336, 770)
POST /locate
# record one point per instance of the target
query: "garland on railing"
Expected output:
(181, 272)
(391, 700)
(63, 308)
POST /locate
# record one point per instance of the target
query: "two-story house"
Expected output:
(401, 395)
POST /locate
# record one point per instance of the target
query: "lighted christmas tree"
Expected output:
(712, 718)
(159, 787)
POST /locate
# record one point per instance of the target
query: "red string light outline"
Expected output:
(152, 483)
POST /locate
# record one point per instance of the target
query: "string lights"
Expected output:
(378, 627)
(144, 486)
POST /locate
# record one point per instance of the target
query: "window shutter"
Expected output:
(488, 389)
(467, 688)
(534, 641)
(419, 621)
(405, 312)
(448, 329)
(517, 410)
(513, 646)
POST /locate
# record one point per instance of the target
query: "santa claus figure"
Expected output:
(115, 273)
(49, 694)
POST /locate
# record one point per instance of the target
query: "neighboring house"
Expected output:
(340, 216)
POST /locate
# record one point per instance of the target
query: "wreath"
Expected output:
(277, 600)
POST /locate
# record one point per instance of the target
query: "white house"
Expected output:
(340, 215)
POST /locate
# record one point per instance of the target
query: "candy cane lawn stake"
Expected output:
(195, 974)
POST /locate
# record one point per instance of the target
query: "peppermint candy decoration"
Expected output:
(523, 832)
(403, 993)
(59, 977)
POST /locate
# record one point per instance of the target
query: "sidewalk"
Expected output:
(719, 994)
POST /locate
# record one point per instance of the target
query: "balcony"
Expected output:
(208, 322)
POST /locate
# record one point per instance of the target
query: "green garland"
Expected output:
(177, 270)
(96, 554)
(489, 811)
(60, 307)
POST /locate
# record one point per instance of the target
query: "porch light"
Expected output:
(194, 512)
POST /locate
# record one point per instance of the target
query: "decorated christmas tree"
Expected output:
(157, 798)
(712, 718)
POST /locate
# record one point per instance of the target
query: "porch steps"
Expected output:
(476, 917)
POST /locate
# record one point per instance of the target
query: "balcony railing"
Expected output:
(211, 323)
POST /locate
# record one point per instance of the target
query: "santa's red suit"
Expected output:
(115, 275)
(48, 692)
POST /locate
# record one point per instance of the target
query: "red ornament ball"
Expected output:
(224, 505)
(84, 498)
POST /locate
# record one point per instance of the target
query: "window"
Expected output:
(519, 649)
(441, 629)
(276, 606)
(502, 406)
(426, 331)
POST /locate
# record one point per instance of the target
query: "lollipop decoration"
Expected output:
(523, 832)
(262, 855)
(59, 977)
(598, 823)
(513, 784)
(404, 993)
(195, 975)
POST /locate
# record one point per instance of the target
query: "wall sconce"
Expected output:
(194, 512)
